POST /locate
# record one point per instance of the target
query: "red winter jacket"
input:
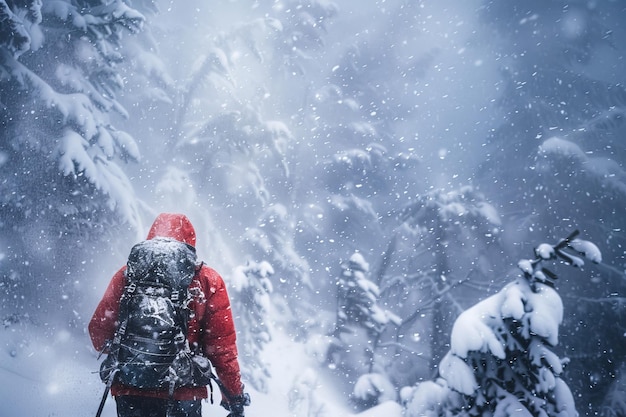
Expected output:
(211, 326)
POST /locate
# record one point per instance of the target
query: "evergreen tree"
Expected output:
(359, 325)
(357, 300)
(58, 93)
(501, 361)
(252, 291)
(60, 155)
(563, 102)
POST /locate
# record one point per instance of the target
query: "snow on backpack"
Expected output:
(150, 348)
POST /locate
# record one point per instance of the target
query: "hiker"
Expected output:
(210, 333)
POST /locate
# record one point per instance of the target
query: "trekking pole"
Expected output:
(103, 400)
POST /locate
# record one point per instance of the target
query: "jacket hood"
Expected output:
(175, 226)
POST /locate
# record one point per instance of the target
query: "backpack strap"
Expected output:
(124, 313)
(113, 346)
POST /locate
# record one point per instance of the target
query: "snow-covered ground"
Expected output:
(47, 376)
(53, 376)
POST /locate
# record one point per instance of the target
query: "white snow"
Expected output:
(540, 354)
(73, 157)
(546, 313)
(510, 406)
(566, 406)
(606, 171)
(575, 260)
(386, 409)
(458, 374)
(588, 249)
(563, 147)
(126, 144)
(513, 303)
(472, 331)
(297, 388)
(374, 385)
(526, 266)
(48, 376)
(425, 399)
(489, 212)
(545, 251)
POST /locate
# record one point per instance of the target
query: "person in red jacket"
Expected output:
(210, 329)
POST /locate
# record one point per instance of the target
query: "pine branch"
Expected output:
(613, 270)
(619, 300)
(386, 260)
(438, 295)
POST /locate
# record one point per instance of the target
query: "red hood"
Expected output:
(175, 226)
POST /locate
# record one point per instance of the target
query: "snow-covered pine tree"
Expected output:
(19, 31)
(359, 324)
(273, 238)
(501, 361)
(251, 293)
(60, 153)
(357, 298)
(563, 106)
(58, 91)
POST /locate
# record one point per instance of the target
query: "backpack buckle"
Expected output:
(175, 296)
(131, 288)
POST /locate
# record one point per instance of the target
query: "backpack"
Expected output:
(150, 348)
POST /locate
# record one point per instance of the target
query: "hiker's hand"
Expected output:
(236, 405)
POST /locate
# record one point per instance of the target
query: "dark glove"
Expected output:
(236, 405)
